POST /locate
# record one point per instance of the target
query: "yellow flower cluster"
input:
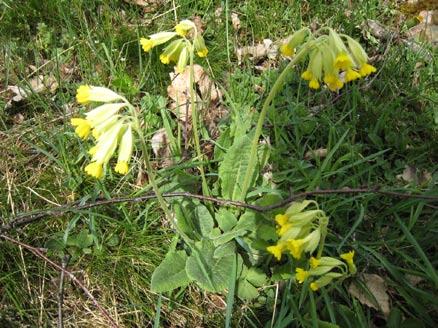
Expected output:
(302, 231)
(107, 127)
(299, 230)
(323, 270)
(333, 59)
(178, 51)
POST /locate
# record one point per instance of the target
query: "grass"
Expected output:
(371, 132)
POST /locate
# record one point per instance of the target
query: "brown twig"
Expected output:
(39, 254)
(26, 218)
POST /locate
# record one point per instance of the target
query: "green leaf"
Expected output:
(171, 273)
(84, 239)
(267, 232)
(246, 290)
(203, 220)
(248, 221)
(209, 272)
(227, 236)
(225, 219)
(184, 213)
(227, 249)
(233, 168)
(256, 277)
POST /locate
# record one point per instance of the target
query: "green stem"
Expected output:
(205, 189)
(149, 169)
(255, 141)
(151, 175)
(323, 226)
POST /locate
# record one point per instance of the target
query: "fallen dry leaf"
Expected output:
(412, 175)
(179, 91)
(381, 32)
(317, 153)
(377, 288)
(266, 49)
(235, 21)
(161, 148)
(414, 280)
(147, 5)
(200, 26)
(427, 30)
(35, 85)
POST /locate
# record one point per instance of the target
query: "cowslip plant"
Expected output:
(258, 248)
(333, 58)
(181, 52)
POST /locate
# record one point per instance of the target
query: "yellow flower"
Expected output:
(367, 69)
(202, 53)
(199, 44)
(165, 59)
(348, 257)
(307, 75)
(333, 82)
(286, 50)
(283, 229)
(314, 286)
(314, 84)
(183, 27)
(281, 219)
(92, 150)
(156, 39)
(147, 44)
(86, 93)
(83, 94)
(301, 275)
(351, 75)
(295, 246)
(94, 169)
(121, 167)
(314, 262)
(107, 144)
(103, 127)
(125, 151)
(276, 250)
(343, 61)
(83, 127)
(172, 51)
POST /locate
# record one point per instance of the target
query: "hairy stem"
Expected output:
(255, 141)
(205, 189)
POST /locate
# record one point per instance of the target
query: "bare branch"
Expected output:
(28, 217)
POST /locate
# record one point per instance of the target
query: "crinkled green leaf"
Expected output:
(225, 219)
(246, 290)
(171, 273)
(209, 272)
(233, 168)
(256, 277)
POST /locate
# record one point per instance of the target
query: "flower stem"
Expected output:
(205, 189)
(255, 141)
(149, 169)
(151, 175)
(323, 226)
